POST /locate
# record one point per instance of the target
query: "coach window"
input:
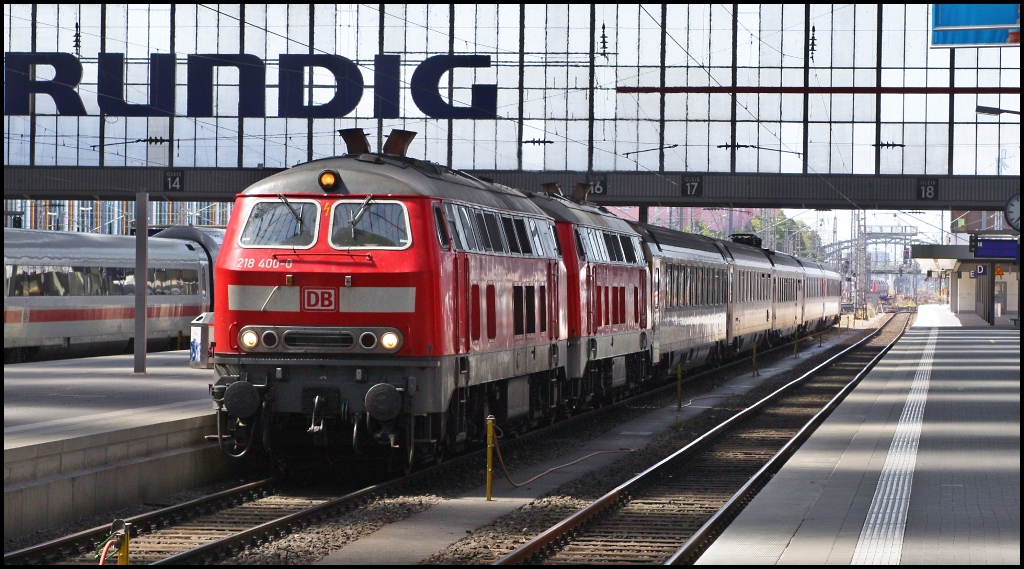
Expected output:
(524, 237)
(442, 235)
(281, 223)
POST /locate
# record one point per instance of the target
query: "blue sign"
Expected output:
(980, 270)
(252, 81)
(996, 249)
(975, 25)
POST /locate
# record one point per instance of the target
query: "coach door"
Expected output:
(551, 302)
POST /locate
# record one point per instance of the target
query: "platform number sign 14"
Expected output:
(174, 180)
(927, 189)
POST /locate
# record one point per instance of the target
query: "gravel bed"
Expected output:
(492, 541)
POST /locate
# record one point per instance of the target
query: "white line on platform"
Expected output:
(881, 538)
(196, 403)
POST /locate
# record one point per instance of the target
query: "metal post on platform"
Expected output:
(679, 387)
(123, 553)
(796, 342)
(490, 455)
(141, 280)
(756, 373)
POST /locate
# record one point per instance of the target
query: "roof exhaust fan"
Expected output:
(398, 142)
(579, 193)
(355, 140)
(552, 188)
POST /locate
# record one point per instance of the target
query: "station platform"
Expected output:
(89, 435)
(920, 465)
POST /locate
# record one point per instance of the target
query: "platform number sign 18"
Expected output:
(174, 181)
(693, 186)
(927, 189)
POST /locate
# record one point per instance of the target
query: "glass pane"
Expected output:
(280, 223)
(370, 224)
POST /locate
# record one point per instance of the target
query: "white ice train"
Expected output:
(73, 293)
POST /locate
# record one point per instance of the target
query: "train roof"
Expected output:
(662, 238)
(210, 238)
(377, 174)
(579, 213)
(68, 248)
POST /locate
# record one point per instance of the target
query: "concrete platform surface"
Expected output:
(418, 537)
(51, 401)
(920, 465)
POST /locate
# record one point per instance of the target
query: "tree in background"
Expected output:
(781, 233)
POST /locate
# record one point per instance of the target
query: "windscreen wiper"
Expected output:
(295, 214)
(359, 214)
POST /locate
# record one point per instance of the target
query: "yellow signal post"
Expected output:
(490, 455)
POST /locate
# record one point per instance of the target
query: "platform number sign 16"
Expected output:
(174, 181)
(599, 187)
(927, 189)
(693, 186)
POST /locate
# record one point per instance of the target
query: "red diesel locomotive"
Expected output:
(374, 304)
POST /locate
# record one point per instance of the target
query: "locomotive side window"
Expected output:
(538, 242)
(627, 249)
(494, 232)
(371, 224)
(614, 249)
(510, 235)
(481, 230)
(524, 237)
(451, 212)
(283, 223)
(582, 245)
(442, 235)
(468, 228)
(553, 235)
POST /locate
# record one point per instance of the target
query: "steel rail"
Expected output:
(696, 543)
(85, 541)
(563, 528)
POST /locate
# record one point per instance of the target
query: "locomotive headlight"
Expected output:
(389, 340)
(249, 339)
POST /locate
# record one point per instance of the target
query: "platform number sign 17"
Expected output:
(927, 189)
(693, 186)
(174, 181)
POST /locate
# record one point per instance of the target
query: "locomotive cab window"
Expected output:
(281, 223)
(371, 224)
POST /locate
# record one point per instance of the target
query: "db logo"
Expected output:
(319, 299)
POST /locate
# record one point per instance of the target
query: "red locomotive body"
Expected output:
(378, 303)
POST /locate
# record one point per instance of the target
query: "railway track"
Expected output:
(210, 528)
(671, 512)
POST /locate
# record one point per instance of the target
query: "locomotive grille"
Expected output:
(319, 339)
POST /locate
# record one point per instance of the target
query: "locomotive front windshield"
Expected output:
(370, 223)
(283, 223)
